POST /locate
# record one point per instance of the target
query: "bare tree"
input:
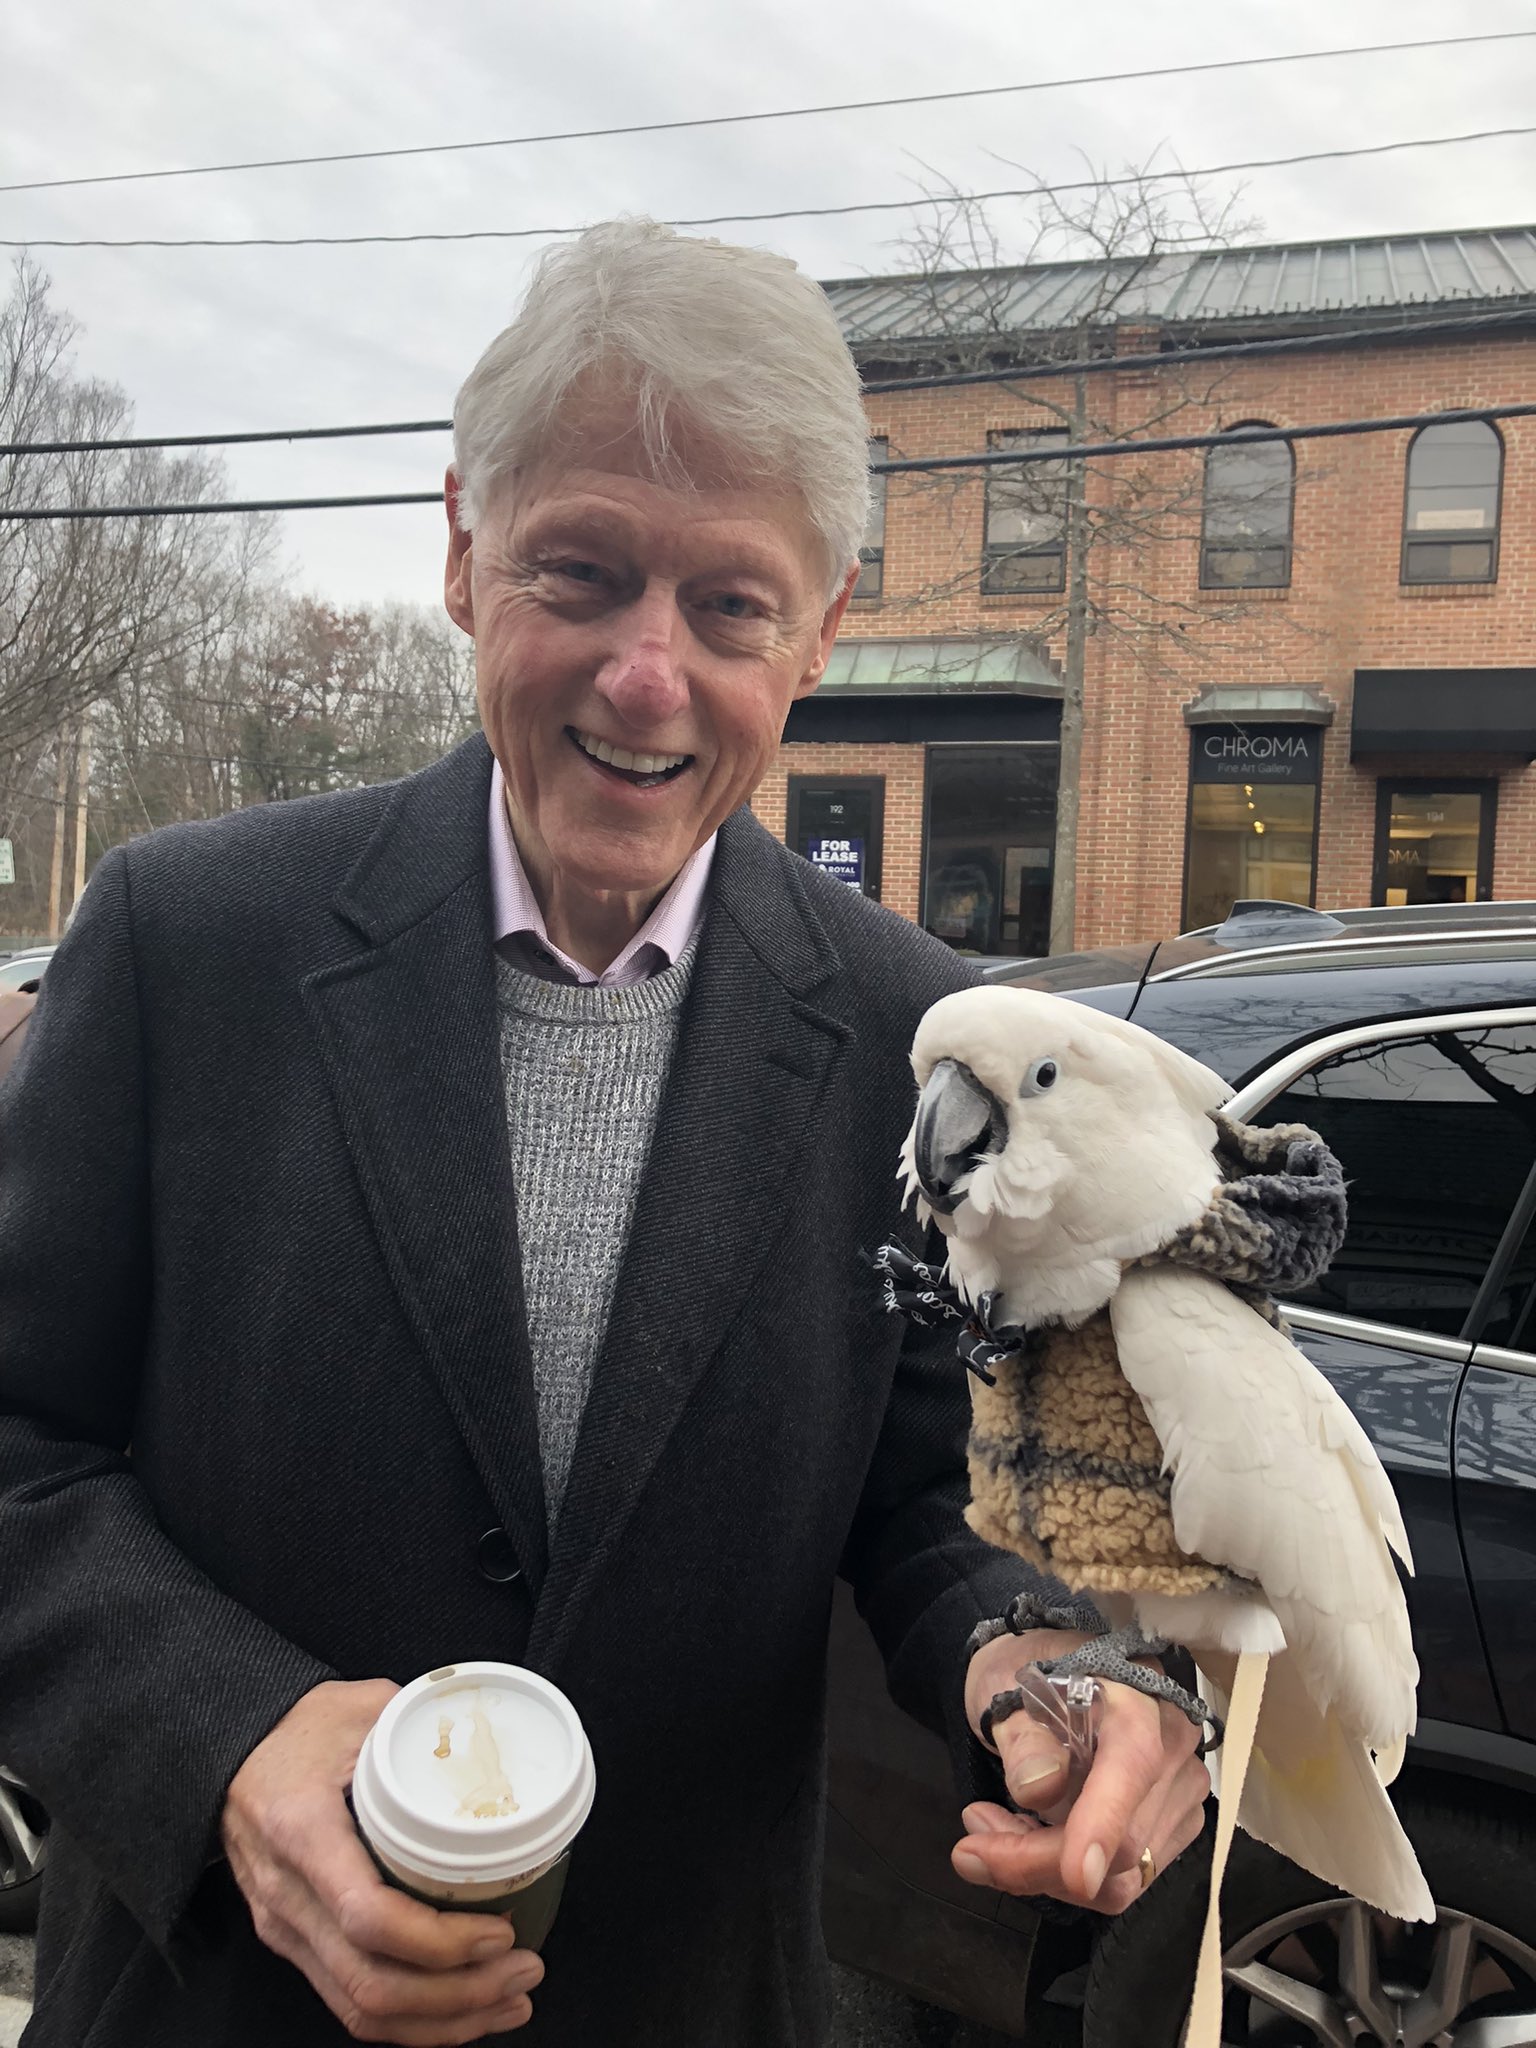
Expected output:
(1097, 529)
(201, 683)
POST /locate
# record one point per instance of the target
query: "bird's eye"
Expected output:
(1041, 1076)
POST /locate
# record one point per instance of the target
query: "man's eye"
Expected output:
(579, 572)
(732, 605)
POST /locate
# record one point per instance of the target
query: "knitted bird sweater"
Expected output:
(1066, 1470)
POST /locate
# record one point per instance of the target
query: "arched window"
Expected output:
(1245, 539)
(1451, 512)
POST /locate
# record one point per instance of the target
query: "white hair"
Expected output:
(735, 346)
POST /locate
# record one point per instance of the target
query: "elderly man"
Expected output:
(429, 1230)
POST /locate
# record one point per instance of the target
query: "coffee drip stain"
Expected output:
(479, 1775)
(492, 1794)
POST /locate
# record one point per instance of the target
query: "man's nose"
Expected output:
(643, 676)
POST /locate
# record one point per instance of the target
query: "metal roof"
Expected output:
(1212, 288)
(1268, 703)
(935, 667)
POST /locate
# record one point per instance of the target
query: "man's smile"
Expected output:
(640, 771)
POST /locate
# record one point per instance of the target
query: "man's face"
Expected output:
(637, 649)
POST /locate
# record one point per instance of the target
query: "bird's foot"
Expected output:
(1113, 1657)
(1026, 1612)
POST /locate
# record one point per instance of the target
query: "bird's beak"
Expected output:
(958, 1122)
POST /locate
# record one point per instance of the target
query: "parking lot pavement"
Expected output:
(15, 1986)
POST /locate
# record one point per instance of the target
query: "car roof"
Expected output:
(1256, 935)
(1271, 975)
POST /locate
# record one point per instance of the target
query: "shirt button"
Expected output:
(496, 1559)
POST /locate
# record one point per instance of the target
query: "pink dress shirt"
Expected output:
(524, 941)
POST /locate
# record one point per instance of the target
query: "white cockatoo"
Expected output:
(1061, 1150)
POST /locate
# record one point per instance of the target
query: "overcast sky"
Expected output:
(209, 340)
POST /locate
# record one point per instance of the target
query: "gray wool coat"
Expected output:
(257, 1222)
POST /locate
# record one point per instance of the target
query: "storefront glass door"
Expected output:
(1434, 843)
(1248, 842)
(1252, 817)
(991, 835)
(839, 827)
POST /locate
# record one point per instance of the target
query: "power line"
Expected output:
(1290, 344)
(1163, 444)
(1466, 323)
(994, 458)
(715, 220)
(925, 99)
(210, 510)
(224, 440)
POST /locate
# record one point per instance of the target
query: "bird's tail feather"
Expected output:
(1314, 1794)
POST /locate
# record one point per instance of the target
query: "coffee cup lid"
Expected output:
(474, 1771)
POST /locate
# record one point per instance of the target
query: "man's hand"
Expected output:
(390, 1968)
(1146, 1789)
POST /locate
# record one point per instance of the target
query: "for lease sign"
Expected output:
(842, 859)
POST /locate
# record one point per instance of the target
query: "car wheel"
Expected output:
(1305, 1966)
(23, 1855)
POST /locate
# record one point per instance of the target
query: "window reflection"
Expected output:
(1246, 527)
(1026, 547)
(1437, 1135)
(1451, 519)
(991, 832)
(1433, 846)
(1247, 841)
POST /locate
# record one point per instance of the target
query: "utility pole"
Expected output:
(56, 870)
(82, 792)
(1074, 667)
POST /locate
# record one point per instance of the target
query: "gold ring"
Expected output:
(1146, 1863)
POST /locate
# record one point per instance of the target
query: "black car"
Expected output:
(1408, 1038)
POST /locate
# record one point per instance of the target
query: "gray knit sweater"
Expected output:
(584, 1069)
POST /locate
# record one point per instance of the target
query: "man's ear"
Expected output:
(458, 587)
(832, 619)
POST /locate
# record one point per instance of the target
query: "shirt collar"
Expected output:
(660, 941)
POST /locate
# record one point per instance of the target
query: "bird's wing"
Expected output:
(1275, 1479)
(1313, 1793)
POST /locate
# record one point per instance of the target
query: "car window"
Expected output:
(1511, 1315)
(1437, 1135)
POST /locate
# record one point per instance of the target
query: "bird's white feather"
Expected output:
(1109, 1164)
(1313, 1793)
(1274, 1479)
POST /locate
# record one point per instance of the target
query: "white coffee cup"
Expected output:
(470, 1788)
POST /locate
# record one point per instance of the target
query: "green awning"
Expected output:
(1259, 703)
(932, 668)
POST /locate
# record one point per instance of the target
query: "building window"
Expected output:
(990, 838)
(1026, 545)
(1434, 843)
(1252, 818)
(838, 825)
(1245, 536)
(872, 553)
(1451, 516)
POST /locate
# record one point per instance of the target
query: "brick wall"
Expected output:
(1164, 638)
(902, 767)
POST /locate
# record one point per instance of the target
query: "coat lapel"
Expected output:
(408, 1033)
(753, 1057)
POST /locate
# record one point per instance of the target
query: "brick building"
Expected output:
(1311, 669)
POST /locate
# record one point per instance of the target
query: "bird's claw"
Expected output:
(1113, 1656)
